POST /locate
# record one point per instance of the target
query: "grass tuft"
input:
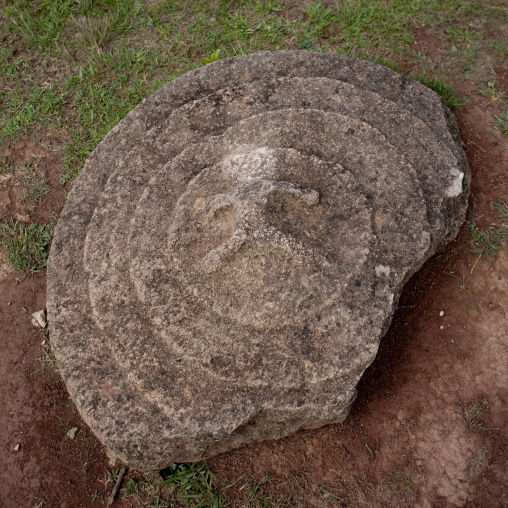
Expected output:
(35, 187)
(473, 411)
(6, 168)
(192, 484)
(445, 91)
(47, 359)
(493, 92)
(502, 123)
(488, 241)
(257, 494)
(501, 207)
(131, 488)
(388, 63)
(27, 245)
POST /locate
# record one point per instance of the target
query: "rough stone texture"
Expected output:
(233, 251)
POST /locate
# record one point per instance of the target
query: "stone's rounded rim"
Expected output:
(98, 372)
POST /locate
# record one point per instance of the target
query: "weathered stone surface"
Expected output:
(233, 251)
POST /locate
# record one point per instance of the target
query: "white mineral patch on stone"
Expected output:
(252, 165)
(382, 270)
(456, 187)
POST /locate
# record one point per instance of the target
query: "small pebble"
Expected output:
(441, 327)
(39, 318)
(441, 313)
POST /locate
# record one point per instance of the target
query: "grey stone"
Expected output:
(233, 251)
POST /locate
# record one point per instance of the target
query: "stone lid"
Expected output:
(232, 252)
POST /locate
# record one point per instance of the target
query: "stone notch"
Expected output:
(233, 251)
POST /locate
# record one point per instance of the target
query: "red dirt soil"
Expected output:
(428, 428)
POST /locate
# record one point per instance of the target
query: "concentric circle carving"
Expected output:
(233, 251)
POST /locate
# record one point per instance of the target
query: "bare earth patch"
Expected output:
(44, 160)
(428, 427)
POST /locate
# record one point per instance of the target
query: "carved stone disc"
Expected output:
(233, 251)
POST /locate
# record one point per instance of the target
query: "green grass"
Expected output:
(47, 360)
(493, 91)
(27, 245)
(475, 409)
(496, 94)
(442, 89)
(501, 207)
(181, 485)
(84, 65)
(6, 168)
(398, 479)
(257, 495)
(192, 484)
(502, 123)
(487, 242)
(131, 488)
(35, 186)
